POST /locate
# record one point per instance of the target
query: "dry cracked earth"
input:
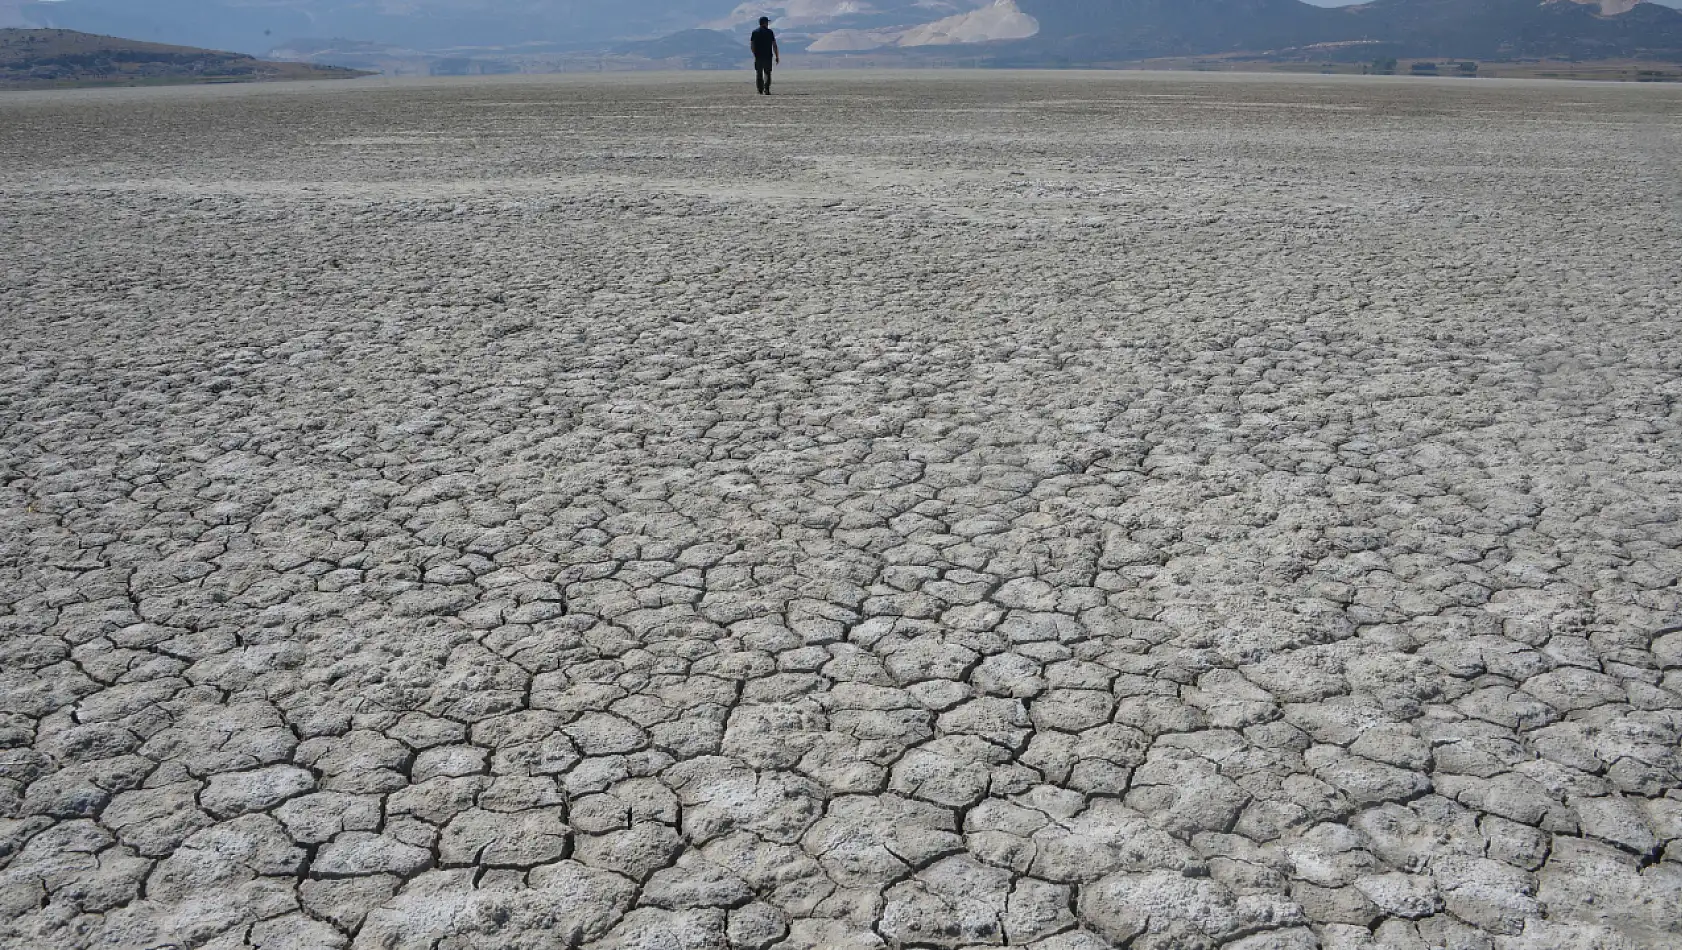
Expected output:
(1068, 511)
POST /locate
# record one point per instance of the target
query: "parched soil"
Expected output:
(910, 510)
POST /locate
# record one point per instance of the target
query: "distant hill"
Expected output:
(255, 26)
(693, 49)
(1084, 31)
(508, 33)
(1516, 29)
(1137, 29)
(44, 58)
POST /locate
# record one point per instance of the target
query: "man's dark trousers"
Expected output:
(762, 74)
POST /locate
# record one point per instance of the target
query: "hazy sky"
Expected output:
(1346, 3)
(1318, 3)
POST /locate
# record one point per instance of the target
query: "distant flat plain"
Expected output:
(914, 509)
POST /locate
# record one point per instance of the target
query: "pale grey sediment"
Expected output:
(922, 511)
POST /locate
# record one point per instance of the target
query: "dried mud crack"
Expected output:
(1056, 510)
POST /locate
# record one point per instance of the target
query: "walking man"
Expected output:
(765, 53)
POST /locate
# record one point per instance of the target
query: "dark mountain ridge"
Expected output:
(1516, 29)
(34, 58)
(255, 26)
(1096, 30)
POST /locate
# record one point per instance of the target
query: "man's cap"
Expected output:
(764, 20)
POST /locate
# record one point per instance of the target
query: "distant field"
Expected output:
(913, 511)
(210, 79)
(1594, 70)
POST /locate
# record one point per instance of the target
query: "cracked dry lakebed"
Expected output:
(1068, 510)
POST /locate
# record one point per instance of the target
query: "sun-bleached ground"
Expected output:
(914, 510)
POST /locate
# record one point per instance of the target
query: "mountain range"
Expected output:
(1016, 32)
(53, 58)
(1088, 30)
(255, 26)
